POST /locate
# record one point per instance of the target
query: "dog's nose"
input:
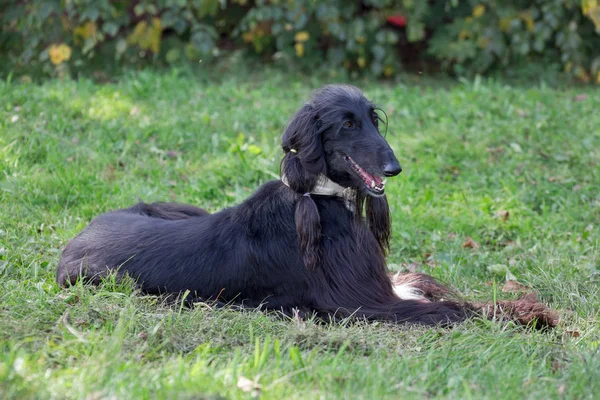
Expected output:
(392, 169)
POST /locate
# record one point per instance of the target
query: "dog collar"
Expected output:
(327, 187)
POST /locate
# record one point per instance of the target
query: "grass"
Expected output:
(470, 151)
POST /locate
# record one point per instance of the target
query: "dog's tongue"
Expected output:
(368, 178)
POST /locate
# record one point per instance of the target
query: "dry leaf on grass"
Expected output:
(580, 97)
(504, 214)
(248, 385)
(512, 286)
(470, 243)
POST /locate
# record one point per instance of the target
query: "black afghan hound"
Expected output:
(313, 242)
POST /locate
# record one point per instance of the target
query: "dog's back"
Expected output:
(82, 258)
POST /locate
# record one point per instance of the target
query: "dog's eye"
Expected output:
(348, 124)
(375, 119)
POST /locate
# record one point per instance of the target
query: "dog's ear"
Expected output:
(304, 160)
(379, 220)
(301, 167)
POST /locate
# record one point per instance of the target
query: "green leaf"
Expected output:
(110, 28)
(296, 357)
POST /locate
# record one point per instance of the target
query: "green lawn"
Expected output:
(471, 152)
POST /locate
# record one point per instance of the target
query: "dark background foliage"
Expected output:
(374, 37)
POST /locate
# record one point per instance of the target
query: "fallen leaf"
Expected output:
(516, 147)
(573, 333)
(504, 214)
(576, 188)
(514, 287)
(581, 97)
(470, 243)
(507, 243)
(552, 179)
(498, 149)
(248, 385)
(561, 388)
(142, 335)
(134, 111)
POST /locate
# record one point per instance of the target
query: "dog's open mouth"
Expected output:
(374, 183)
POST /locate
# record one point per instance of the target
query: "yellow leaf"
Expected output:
(588, 5)
(526, 17)
(591, 9)
(155, 34)
(504, 24)
(478, 10)
(59, 53)
(86, 30)
(65, 51)
(138, 32)
(388, 71)
(299, 49)
(301, 36)
(361, 62)
(147, 36)
(462, 35)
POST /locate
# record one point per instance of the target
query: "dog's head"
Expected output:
(337, 135)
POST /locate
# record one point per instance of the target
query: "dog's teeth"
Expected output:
(372, 184)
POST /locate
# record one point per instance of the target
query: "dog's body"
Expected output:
(301, 244)
(233, 256)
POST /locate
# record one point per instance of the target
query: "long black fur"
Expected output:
(283, 248)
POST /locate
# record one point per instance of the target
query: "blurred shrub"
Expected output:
(379, 37)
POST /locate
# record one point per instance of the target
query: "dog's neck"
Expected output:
(327, 187)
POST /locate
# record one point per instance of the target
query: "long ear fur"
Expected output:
(302, 135)
(379, 220)
(301, 166)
